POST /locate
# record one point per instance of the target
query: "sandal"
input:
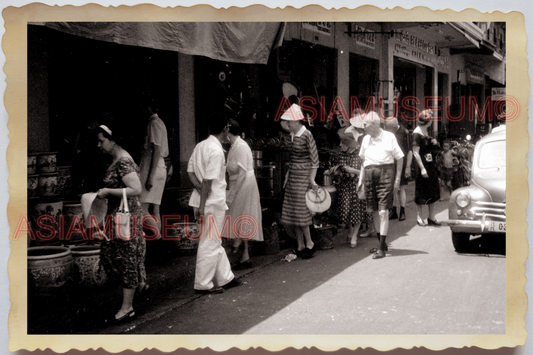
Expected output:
(126, 317)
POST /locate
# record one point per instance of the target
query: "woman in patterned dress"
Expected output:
(243, 197)
(295, 215)
(352, 210)
(122, 256)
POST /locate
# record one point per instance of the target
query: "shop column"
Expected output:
(187, 119)
(343, 67)
(386, 73)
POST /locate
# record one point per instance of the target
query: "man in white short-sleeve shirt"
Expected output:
(382, 167)
(207, 173)
(153, 170)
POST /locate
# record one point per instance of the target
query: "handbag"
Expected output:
(318, 201)
(122, 218)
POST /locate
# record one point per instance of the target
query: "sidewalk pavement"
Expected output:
(73, 310)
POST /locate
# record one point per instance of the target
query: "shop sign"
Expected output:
(414, 48)
(475, 76)
(403, 51)
(413, 41)
(497, 93)
(363, 36)
(321, 27)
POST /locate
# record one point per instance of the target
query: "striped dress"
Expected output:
(303, 157)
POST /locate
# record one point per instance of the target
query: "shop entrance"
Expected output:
(411, 80)
(93, 81)
(363, 78)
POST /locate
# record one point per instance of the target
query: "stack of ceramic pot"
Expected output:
(44, 204)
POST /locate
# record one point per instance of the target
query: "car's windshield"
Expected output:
(492, 155)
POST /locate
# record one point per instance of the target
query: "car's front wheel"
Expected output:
(460, 241)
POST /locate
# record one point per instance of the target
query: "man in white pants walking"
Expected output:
(206, 170)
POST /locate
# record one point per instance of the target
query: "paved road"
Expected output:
(422, 287)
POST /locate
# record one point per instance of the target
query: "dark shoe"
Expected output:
(233, 283)
(375, 250)
(211, 291)
(243, 265)
(402, 214)
(308, 253)
(382, 248)
(379, 254)
(421, 222)
(433, 223)
(393, 214)
(299, 253)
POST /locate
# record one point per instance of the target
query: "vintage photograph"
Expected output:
(200, 178)
(404, 162)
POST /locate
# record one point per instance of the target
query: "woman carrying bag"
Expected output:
(123, 250)
(295, 215)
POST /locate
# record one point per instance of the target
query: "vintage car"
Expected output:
(480, 208)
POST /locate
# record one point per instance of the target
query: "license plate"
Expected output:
(498, 227)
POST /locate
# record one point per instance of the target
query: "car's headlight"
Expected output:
(462, 200)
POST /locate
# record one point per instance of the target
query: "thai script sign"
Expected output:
(322, 27)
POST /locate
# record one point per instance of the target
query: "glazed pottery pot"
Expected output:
(32, 163)
(87, 269)
(33, 182)
(46, 162)
(47, 184)
(187, 237)
(44, 217)
(49, 267)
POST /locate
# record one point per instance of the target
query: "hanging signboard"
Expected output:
(413, 48)
(474, 76)
(497, 93)
(363, 36)
(321, 27)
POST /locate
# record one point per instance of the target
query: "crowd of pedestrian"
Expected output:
(375, 161)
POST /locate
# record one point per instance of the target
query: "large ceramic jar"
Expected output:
(49, 267)
(187, 237)
(87, 269)
(46, 162)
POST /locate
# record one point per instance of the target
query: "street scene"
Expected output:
(422, 287)
(295, 178)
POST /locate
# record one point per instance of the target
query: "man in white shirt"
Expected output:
(206, 170)
(381, 173)
(152, 167)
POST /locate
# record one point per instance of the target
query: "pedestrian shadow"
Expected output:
(393, 252)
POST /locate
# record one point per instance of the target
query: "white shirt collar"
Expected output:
(379, 137)
(299, 133)
(215, 139)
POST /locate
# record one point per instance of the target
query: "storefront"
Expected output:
(80, 75)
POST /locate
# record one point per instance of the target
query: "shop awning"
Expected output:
(237, 42)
